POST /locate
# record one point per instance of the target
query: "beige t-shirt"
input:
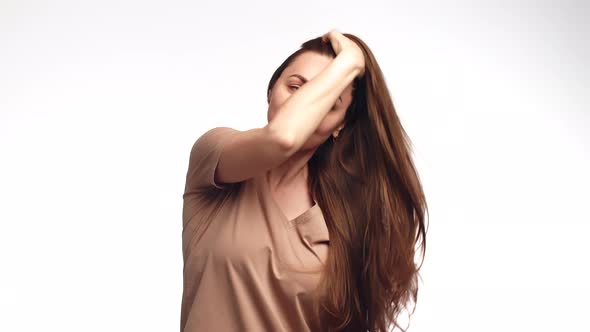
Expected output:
(241, 271)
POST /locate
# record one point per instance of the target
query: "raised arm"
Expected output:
(303, 112)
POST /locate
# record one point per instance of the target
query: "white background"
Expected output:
(100, 103)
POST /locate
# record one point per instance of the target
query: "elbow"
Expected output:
(283, 139)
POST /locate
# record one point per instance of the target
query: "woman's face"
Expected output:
(305, 67)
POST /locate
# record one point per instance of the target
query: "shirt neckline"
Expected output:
(302, 218)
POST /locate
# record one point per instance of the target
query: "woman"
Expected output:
(311, 222)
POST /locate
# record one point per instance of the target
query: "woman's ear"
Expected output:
(337, 131)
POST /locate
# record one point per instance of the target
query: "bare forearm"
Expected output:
(303, 112)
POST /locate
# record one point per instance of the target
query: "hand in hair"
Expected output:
(340, 43)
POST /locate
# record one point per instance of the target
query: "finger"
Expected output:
(326, 36)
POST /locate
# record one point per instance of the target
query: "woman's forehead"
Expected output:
(307, 65)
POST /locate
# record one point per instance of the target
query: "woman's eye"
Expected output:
(294, 86)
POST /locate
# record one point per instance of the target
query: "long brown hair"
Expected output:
(370, 194)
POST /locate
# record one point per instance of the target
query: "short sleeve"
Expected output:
(204, 157)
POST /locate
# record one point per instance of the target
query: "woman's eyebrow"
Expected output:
(300, 77)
